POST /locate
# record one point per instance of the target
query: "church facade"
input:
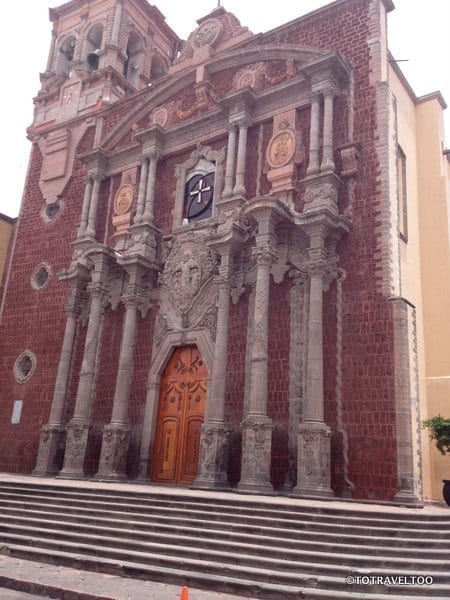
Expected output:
(205, 281)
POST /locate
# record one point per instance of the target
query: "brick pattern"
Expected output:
(36, 320)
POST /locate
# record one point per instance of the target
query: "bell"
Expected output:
(93, 59)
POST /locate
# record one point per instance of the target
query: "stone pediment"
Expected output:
(161, 105)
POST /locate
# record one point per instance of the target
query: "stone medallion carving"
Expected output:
(252, 75)
(188, 266)
(160, 116)
(323, 193)
(281, 148)
(207, 33)
(124, 199)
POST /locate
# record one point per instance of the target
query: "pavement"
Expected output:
(32, 580)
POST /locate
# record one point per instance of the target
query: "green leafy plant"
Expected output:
(439, 431)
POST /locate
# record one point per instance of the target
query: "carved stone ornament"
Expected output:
(207, 33)
(160, 116)
(166, 115)
(124, 199)
(281, 148)
(252, 76)
(323, 193)
(188, 266)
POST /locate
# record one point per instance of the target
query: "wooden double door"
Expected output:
(180, 415)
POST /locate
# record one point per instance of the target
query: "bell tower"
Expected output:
(101, 51)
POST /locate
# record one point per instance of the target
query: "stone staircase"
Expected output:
(255, 547)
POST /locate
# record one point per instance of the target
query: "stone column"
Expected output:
(142, 191)
(327, 155)
(313, 166)
(53, 433)
(51, 53)
(116, 25)
(239, 188)
(215, 433)
(257, 426)
(151, 183)
(78, 428)
(93, 205)
(231, 159)
(116, 435)
(85, 207)
(408, 492)
(313, 470)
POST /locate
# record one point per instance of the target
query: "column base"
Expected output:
(76, 446)
(51, 451)
(408, 497)
(113, 456)
(256, 456)
(313, 466)
(213, 457)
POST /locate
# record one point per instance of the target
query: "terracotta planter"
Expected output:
(446, 491)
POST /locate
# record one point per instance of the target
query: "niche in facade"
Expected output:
(93, 47)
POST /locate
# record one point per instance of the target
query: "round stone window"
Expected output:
(51, 210)
(40, 277)
(24, 366)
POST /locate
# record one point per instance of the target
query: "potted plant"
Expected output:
(439, 432)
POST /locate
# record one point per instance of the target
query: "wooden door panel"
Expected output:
(166, 464)
(180, 416)
(190, 454)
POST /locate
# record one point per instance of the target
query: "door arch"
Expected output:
(181, 411)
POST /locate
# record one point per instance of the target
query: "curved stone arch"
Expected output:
(165, 90)
(160, 357)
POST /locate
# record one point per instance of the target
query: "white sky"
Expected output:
(418, 31)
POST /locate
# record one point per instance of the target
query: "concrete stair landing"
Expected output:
(253, 547)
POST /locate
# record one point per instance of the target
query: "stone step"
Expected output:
(275, 548)
(252, 581)
(312, 561)
(321, 555)
(261, 527)
(236, 505)
(287, 521)
(227, 535)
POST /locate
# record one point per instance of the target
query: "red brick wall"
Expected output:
(35, 320)
(278, 371)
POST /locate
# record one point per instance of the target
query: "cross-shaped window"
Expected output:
(198, 197)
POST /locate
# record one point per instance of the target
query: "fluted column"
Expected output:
(78, 428)
(142, 191)
(93, 204)
(239, 188)
(257, 426)
(314, 135)
(231, 159)
(215, 433)
(313, 470)
(116, 435)
(327, 155)
(85, 207)
(154, 157)
(53, 433)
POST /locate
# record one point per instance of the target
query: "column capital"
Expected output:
(152, 154)
(265, 256)
(319, 267)
(316, 96)
(329, 90)
(96, 174)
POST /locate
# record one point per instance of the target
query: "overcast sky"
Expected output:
(418, 32)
